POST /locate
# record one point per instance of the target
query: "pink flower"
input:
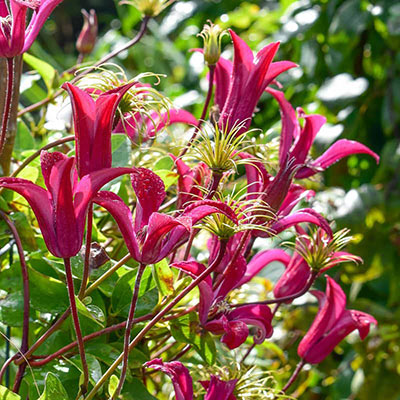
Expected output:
(61, 209)
(14, 38)
(240, 86)
(232, 325)
(93, 122)
(217, 389)
(296, 142)
(332, 324)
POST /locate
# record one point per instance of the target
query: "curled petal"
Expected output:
(179, 375)
(200, 209)
(340, 149)
(303, 215)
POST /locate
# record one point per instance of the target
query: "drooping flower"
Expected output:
(332, 324)
(15, 37)
(152, 236)
(217, 389)
(231, 324)
(296, 142)
(240, 86)
(61, 209)
(93, 120)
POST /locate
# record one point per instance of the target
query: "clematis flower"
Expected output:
(152, 236)
(15, 37)
(240, 86)
(232, 325)
(295, 143)
(61, 209)
(132, 126)
(332, 324)
(93, 122)
(217, 389)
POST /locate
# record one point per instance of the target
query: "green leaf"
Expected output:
(53, 389)
(135, 390)
(164, 277)
(121, 150)
(122, 294)
(91, 311)
(166, 163)
(24, 139)
(187, 330)
(47, 294)
(112, 385)
(168, 177)
(6, 394)
(95, 372)
(12, 309)
(46, 71)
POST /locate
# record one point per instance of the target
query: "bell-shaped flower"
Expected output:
(142, 128)
(296, 142)
(61, 209)
(240, 86)
(231, 324)
(93, 121)
(332, 324)
(15, 37)
(152, 236)
(216, 388)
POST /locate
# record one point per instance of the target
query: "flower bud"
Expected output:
(212, 35)
(87, 37)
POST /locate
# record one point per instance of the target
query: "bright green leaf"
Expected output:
(53, 389)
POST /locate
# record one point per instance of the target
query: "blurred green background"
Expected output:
(349, 71)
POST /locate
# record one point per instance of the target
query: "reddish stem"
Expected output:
(295, 374)
(25, 285)
(8, 102)
(75, 318)
(129, 325)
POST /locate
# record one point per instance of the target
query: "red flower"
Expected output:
(332, 324)
(61, 209)
(14, 38)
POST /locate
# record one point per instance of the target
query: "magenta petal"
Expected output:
(218, 389)
(256, 174)
(276, 69)
(294, 278)
(159, 226)
(200, 209)
(290, 124)
(329, 314)
(194, 269)
(295, 194)
(179, 375)
(122, 215)
(38, 199)
(258, 315)
(222, 77)
(18, 10)
(170, 117)
(47, 162)
(261, 260)
(303, 215)
(89, 185)
(301, 148)
(150, 192)
(38, 19)
(340, 149)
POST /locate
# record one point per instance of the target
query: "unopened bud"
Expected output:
(212, 35)
(87, 37)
